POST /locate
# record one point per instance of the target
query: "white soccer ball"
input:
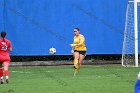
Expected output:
(52, 50)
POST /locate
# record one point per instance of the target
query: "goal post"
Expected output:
(136, 31)
(130, 43)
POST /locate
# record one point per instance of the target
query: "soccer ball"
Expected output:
(52, 50)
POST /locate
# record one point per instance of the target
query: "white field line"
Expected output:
(20, 71)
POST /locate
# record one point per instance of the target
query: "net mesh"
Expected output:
(128, 54)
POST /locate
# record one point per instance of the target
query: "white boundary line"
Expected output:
(20, 72)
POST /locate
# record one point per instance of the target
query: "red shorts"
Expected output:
(4, 58)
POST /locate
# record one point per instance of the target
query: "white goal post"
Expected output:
(136, 31)
(130, 44)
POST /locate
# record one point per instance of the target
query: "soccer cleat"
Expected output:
(2, 81)
(7, 81)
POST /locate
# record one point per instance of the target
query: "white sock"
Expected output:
(6, 77)
(1, 77)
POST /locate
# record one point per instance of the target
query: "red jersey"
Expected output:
(5, 45)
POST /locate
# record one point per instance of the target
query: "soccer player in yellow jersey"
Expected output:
(79, 49)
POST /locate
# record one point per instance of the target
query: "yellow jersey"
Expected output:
(80, 41)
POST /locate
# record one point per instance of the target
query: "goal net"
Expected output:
(132, 27)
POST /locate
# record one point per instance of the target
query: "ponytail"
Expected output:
(3, 35)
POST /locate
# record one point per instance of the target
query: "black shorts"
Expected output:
(81, 52)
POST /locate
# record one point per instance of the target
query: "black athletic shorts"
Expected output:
(81, 52)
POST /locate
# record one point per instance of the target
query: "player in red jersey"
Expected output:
(5, 47)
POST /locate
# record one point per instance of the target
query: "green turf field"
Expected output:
(59, 79)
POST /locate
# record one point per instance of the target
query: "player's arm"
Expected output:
(10, 49)
(10, 46)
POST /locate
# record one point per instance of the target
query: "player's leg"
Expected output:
(137, 84)
(6, 71)
(81, 58)
(76, 58)
(1, 69)
(1, 74)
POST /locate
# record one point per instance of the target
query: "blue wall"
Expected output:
(33, 26)
(1, 15)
